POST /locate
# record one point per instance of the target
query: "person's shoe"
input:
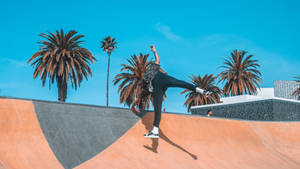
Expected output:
(206, 92)
(151, 135)
(199, 90)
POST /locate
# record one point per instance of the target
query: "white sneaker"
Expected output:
(206, 92)
(151, 135)
(199, 90)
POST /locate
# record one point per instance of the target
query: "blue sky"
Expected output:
(192, 37)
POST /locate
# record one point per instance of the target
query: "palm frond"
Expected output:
(240, 74)
(130, 81)
(207, 83)
(297, 91)
(59, 57)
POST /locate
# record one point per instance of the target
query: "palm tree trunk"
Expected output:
(62, 89)
(65, 89)
(107, 80)
(59, 86)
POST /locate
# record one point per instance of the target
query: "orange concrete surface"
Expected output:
(22, 143)
(203, 143)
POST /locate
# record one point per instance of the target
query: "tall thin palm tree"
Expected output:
(297, 91)
(207, 83)
(241, 74)
(62, 59)
(108, 45)
(131, 77)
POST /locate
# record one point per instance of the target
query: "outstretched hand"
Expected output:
(152, 48)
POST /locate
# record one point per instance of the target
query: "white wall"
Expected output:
(263, 93)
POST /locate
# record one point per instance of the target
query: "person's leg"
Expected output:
(157, 103)
(170, 81)
(158, 93)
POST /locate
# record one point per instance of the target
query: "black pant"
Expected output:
(160, 83)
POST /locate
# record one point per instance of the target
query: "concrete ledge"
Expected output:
(262, 110)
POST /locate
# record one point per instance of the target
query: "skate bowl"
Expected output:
(51, 135)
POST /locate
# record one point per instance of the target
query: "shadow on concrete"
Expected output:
(147, 121)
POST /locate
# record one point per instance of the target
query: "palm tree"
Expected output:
(206, 83)
(62, 59)
(241, 74)
(108, 45)
(131, 76)
(297, 91)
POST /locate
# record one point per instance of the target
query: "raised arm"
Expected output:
(157, 60)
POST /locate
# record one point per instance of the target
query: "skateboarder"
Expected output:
(157, 82)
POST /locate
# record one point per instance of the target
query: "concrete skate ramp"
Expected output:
(81, 139)
(196, 142)
(22, 142)
(76, 133)
(68, 133)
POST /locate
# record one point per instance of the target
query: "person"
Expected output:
(156, 81)
(209, 113)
